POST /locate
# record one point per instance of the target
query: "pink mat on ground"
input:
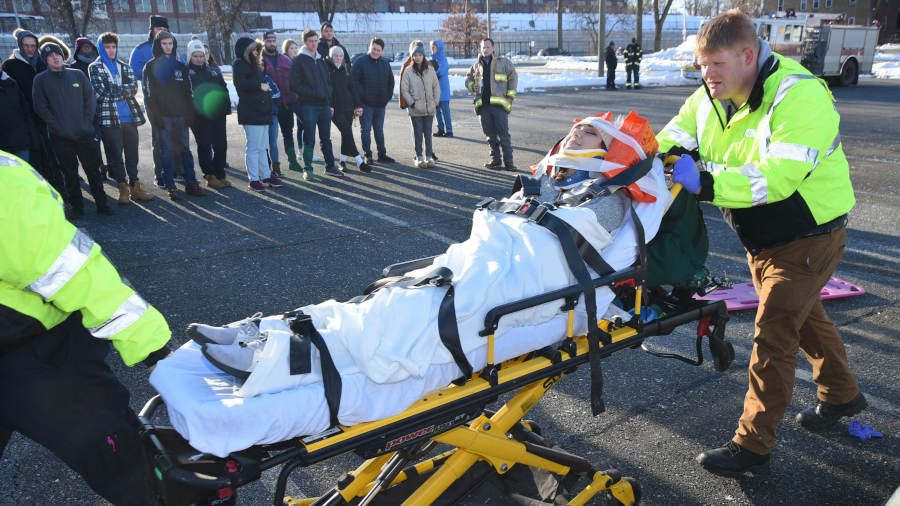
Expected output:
(744, 296)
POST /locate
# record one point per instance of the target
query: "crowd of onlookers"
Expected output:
(62, 113)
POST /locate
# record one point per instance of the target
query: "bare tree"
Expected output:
(111, 16)
(219, 19)
(752, 7)
(463, 29)
(589, 23)
(658, 21)
(74, 22)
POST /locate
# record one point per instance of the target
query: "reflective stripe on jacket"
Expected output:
(50, 269)
(777, 166)
(504, 81)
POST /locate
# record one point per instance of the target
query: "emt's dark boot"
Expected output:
(825, 415)
(733, 461)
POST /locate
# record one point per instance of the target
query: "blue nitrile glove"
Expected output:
(863, 432)
(687, 173)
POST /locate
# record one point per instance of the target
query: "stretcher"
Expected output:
(394, 448)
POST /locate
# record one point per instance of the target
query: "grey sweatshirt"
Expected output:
(65, 100)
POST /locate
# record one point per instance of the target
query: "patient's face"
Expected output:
(583, 137)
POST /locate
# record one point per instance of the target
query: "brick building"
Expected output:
(855, 12)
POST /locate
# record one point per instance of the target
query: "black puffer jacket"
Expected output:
(310, 79)
(344, 97)
(254, 104)
(17, 129)
(210, 94)
(374, 81)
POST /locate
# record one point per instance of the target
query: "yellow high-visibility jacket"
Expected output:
(49, 269)
(776, 167)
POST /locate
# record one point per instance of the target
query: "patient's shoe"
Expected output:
(238, 361)
(240, 332)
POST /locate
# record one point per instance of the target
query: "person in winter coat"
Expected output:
(64, 99)
(17, 132)
(329, 41)
(22, 66)
(346, 105)
(278, 67)
(141, 54)
(633, 54)
(493, 79)
(420, 89)
(254, 111)
(443, 73)
(611, 62)
(291, 49)
(374, 82)
(167, 95)
(211, 105)
(119, 116)
(311, 81)
(85, 54)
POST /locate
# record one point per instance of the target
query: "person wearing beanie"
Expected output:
(119, 116)
(22, 66)
(278, 68)
(420, 89)
(64, 99)
(611, 62)
(443, 72)
(211, 104)
(85, 54)
(346, 104)
(167, 96)
(311, 81)
(140, 55)
(254, 111)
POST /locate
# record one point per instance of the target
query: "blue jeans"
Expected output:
(318, 116)
(273, 139)
(174, 142)
(443, 115)
(372, 117)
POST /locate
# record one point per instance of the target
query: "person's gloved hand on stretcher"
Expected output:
(687, 173)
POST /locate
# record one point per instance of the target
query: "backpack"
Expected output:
(681, 245)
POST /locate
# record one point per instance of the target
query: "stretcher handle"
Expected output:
(676, 189)
(670, 160)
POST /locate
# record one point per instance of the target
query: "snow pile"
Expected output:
(887, 64)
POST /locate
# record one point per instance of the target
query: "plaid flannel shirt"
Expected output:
(108, 93)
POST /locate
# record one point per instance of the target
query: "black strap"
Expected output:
(642, 254)
(620, 181)
(449, 332)
(300, 352)
(438, 276)
(530, 184)
(331, 378)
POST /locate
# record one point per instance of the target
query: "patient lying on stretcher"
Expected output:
(388, 348)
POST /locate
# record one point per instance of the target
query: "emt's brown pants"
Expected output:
(790, 318)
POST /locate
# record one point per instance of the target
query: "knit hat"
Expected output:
(269, 35)
(416, 46)
(194, 46)
(49, 48)
(159, 21)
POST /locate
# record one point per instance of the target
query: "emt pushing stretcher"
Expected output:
(416, 359)
(768, 133)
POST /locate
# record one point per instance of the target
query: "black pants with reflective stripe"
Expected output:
(58, 391)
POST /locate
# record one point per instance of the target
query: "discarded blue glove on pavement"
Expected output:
(864, 432)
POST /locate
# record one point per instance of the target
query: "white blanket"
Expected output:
(388, 354)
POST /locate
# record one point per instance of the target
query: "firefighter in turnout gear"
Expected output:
(493, 79)
(633, 54)
(62, 304)
(768, 132)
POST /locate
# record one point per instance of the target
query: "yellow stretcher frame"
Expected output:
(455, 416)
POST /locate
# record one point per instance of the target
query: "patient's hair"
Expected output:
(731, 30)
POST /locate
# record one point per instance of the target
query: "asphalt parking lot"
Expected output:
(232, 253)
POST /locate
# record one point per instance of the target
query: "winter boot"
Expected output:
(276, 169)
(174, 194)
(123, 194)
(194, 189)
(225, 182)
(291, 156)
(307, 161)
(138, 193)
(214, 183)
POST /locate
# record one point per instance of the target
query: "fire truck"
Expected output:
(825, 47)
